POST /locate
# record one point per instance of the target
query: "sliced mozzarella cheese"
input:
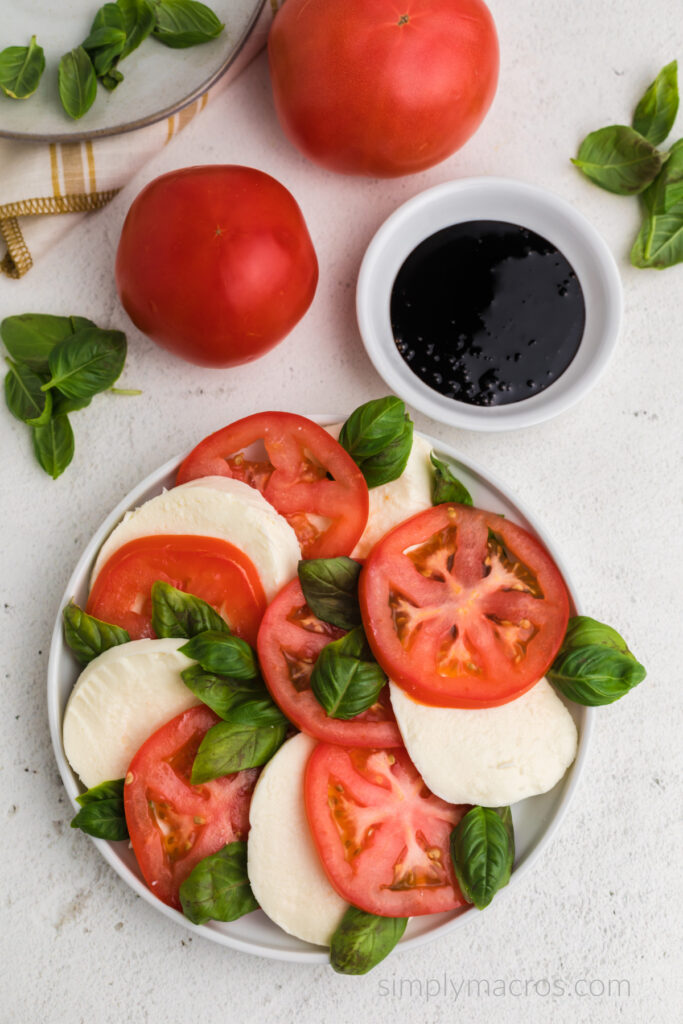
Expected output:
(119, 700)
(491, 756)
(391, 503)
(282, 861)
(216, 506)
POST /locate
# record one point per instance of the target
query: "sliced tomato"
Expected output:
(382, 836)
(302, 471)
(289, 642)
(173, 824)
(463, 608)
(212, 569)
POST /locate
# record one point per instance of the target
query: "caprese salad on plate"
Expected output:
(323, 686)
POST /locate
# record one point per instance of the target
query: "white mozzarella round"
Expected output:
(283, 864)
(489, 756)
(216, 506)
(391, 503)
(119, 700)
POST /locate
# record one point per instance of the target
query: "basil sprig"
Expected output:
(177, 614)
(379, 437)
(483, 851)
(346, 680)
(102, 812)
(87, 636)
(656, 112)
(77, 82)
(21, 68)
(53, 445)
(230, 747)
(219, 652)
(363, 940)
(446, 486)
(659, 243)
(182, 23)
(87, 363)
(594, 666)
(217, 888)
(619, 159)
(330, 587)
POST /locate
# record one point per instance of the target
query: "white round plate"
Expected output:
(535, 819)
(158, 80)
(515, 202)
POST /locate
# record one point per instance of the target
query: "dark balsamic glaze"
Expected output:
(487, 312)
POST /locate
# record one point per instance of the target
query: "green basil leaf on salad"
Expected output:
(138, 22)
(446, 486)
(30, 337)
(482, 851)
(345, 680)
(379, 438)
(232, 746)
(218, 692)
(24, 395)
(619, 159)
(330, 587)
(102, 813)
(181, 23)
(595, 674)
(53, 444)
(660, 240)
(87, 363)
(655, 114)
(21, 68)
(220, 652)
(77, 82)
(87, 636)
(363, 940)
(177, 614)
(257, 709)
(217, 888)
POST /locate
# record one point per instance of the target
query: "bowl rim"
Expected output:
(315, 954)
(394, 371)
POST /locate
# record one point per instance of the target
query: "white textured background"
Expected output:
(604, 904)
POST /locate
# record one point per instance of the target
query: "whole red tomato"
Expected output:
(215, 263)
(382, 87)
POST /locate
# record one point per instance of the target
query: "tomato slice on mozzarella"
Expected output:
(173, 824)
(212, 569)
(382, 836)
(303, 472)
(463, 608)
(289, 641)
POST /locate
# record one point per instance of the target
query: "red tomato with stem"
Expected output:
(207, 567)
(215, 263)
(379, 87)
(382, 836)
(173, 824)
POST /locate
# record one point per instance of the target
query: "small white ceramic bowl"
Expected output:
(499, 199)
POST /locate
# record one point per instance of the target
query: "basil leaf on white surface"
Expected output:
(594, 665)
(220, 652)
(218, 692)
(30, 337)
(102, 812)
(77, 82)
(482, 851)
(87, 363)
(379, 437)
(619, 159)
(24, 395)
(87, 636)
(346, 680)
(659, 243)
(138, 23)
(182, 23)
(446, 486)
(656, 112)
(177, 614)
(230, 747)
(53, 444)
(21, 68)
(363, 940)
(217, 888)
(330, 587)
(104, 47)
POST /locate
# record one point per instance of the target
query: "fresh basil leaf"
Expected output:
(77, 82)
(104, 36)
(102, 812)
(87, 363)
(21, 68)
(582, 631)
(342, 681)
(255, 710)
(363, 940)
(217, 888)
(229, 747)
(216, 691)
(379, 437)
(87, 636)
(177, 614)
(481, 854)
(446, 486)
(594, 674)
(619, 159)
(104, 47)
(24, 395)
(79, 322)
(330, 587)
(219, 652)
(53, 444)
(655, 114)
(109, 16)
(138, 22)
(181, 23)
(505, 815)
(660, 240)
(30, 337)
(62, 404)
